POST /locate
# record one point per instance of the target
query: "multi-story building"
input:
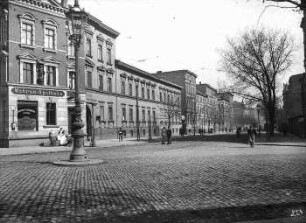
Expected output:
(210, 106)
(187, 80)
(225, 100)
(37, 79)
(33, 98)
(145, 102)
(293, 105)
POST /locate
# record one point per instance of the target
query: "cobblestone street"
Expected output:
(184, 182)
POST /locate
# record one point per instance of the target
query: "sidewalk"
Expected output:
(49, 149)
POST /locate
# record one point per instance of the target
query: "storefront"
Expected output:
(34, 112)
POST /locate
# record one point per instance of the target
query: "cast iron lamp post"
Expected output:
(77, 17)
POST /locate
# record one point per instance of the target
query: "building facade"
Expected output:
(33, 70)
(293, 106)
(187, 80)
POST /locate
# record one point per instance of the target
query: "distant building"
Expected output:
(187, 80)
(292, 95)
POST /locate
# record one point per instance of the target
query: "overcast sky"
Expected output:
(164, 35)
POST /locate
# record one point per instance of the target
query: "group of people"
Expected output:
(166, 135)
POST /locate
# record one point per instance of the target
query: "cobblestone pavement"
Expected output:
(182, 182)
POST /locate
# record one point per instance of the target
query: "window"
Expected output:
(28, 73)
(131, 114)
(71, 81)
(40, 74)
(51, 75)
(88, 47)
(27, 34)
(153, 94)
(27, 116)
(89, 79)
(137, 90)
(101, 82)
(102, 113)
(142, 92)
(109, 56)
(110, 113)
(154, 116)
(149, 115)
(109, 84)
(148, 93)
(130, 89)
(160, 96)
(123, 114)
(50, 38)
(143, 115)
(51, 113)
(122, 87)
(100, 52)
(71, 51)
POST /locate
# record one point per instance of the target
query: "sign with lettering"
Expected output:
(33, 91)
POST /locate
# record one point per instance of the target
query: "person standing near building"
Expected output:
(164, 134)
(120, 133)
(169, 133)
(251, 135)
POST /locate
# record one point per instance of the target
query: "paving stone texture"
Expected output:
(183, 182)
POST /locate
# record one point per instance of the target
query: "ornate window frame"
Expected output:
(50, 24)
(27, 18)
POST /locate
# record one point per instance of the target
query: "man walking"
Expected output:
(251, 135)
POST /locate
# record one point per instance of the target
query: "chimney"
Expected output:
(200, 82)
(64, 3)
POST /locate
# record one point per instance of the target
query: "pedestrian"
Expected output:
(120, 133)
(164, 134)
(238, 132)
(169, 133)
(251, 135)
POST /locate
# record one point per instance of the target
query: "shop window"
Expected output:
(51, 114)
(27, 116)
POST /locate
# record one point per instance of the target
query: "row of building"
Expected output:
(37, 83)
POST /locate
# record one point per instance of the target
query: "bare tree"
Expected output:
(255, 61)
(300, 5)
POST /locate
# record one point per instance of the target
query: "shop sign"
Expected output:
(33, 91)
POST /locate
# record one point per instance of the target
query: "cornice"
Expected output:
(40, 6)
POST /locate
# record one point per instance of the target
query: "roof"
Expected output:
(130, 68)
(176, 71)
(108, 30)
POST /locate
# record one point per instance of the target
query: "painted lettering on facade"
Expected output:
(32, 91)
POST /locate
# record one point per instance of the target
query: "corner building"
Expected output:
(33, 81)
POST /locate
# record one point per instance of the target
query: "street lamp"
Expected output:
(258, 110)
(77, 17)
